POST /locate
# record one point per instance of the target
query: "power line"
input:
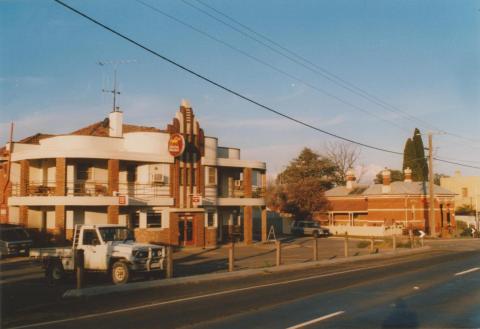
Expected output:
(316, 68)
(273, 67)
(198, 75)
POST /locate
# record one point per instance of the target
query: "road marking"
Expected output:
(468, 271)
(214, 294)
(325, 317)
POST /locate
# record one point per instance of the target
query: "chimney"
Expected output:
(407, 173)
(386, 188)
(350, 179)
(115, 119)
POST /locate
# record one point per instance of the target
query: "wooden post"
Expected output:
(278, 245)
(315, 248)
(169, 273)
(371, 244)
(346, 244)
(394, 242)
(410, 234)
(79, 267)
(231, 257)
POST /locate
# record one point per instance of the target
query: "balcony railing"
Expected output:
(93, 188)
(238, 191)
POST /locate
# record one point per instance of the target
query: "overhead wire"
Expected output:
(273, 67)
(238, 94)
(316, 68)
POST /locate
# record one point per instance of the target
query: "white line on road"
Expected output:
(468, 271)
(174, 301)
(325, 317)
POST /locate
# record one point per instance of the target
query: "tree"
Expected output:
(437, 178)
(299, 189)
(414, 157)
(344, 156)
(395, 175)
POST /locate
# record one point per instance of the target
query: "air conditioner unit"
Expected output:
(158, 178)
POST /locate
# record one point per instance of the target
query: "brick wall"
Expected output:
(211, 236)
(247, 224)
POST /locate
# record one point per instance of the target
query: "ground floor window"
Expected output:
(154, 220)
(210, 219)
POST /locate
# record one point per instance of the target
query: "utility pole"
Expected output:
(431, 208)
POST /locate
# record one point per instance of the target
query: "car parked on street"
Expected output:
(14, 240)
(309, 227)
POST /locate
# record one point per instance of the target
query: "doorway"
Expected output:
(185, 231)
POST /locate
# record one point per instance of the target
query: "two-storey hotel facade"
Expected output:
(174, 186)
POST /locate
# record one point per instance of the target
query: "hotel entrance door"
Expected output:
(185, 230)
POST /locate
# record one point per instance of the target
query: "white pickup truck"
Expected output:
(106, 248)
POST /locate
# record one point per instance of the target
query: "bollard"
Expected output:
(278, 245)
(169, 273)
(315, 248)
(421, 241)
(371, 244)
(410, 233)
(346, 244)
(394, 242)
(231, 257)
(79, 267)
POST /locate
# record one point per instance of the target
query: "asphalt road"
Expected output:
(440, 288)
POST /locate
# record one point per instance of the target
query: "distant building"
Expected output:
(173, 186)
(467, 189)
(400, 204)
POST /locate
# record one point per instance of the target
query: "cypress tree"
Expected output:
(420, 166)
(408, 154)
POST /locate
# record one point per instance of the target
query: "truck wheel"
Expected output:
(55, 272)
(120, 273)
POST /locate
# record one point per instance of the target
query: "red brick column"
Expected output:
(24, 177)
(264, 224)
(60, 222)
(112, 214)
(60, 176)
(23, 215)
(247, 224)
(247, 182)
(113, 180)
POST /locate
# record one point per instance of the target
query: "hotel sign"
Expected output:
(176, 145)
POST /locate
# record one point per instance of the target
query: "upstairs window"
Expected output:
(211, 175)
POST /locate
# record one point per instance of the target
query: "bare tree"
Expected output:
(344, 156)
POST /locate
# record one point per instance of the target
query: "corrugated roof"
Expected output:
(406, 188)
(344, 191)
(410, 188)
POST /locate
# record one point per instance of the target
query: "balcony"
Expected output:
(93, 189)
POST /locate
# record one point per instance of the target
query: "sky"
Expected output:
(420, 59)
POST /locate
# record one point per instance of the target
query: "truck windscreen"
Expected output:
(116, 234)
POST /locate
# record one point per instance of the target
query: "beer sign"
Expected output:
(176, 145)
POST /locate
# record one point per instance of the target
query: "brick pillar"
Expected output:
(113, 169)
(24, 177)
(60, 176)
(60, 222)
(247, 182)
(264, 224)
(112, 214)
(23, 215)
(247, 224)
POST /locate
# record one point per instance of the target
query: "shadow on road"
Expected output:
(401, 316)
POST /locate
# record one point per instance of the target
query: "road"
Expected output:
(440, 288)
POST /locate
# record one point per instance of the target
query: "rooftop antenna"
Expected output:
(114, 90)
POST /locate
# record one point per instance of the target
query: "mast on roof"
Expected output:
(114, 89)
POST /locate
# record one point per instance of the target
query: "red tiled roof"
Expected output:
(101, 129)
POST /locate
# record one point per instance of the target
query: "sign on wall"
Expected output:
(176, 145)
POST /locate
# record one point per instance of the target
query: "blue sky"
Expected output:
(423, 57)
